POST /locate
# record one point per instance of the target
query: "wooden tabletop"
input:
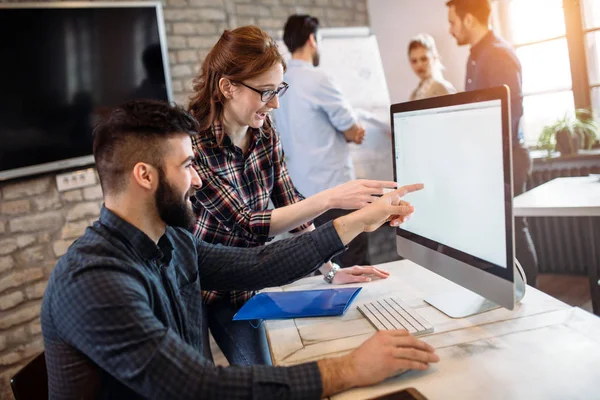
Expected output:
(500, 354)
(561, 197)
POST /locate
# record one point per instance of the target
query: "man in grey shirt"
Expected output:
(122, 313)
(316, 123)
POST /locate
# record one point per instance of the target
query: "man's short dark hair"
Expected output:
(480, 9)
(136, 132)
(298, 29)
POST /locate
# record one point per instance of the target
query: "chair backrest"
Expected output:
(31, 382)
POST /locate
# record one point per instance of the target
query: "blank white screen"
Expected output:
(456, 152)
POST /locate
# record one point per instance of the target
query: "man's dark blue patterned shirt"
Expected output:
(122, 316)
(493, 62)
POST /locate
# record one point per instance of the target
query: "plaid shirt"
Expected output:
(122, 316)
(232, 207)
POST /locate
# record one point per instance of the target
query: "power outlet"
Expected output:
(75, 180)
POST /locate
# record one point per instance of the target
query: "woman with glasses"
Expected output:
(239, 157)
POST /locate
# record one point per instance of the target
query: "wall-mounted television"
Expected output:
(63, 67)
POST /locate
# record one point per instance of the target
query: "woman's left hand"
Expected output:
(358, 274)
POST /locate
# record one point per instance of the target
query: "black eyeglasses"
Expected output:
(267, 95)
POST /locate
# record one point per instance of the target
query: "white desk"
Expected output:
(561, 197)
(544, 349)
(568, 197)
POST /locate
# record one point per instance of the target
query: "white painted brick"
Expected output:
(187, 56)
(60, 247)
(16, 335)
(83, 210)
(177, 15)
(272, 23)
(11, 300)
(207, 3)
(15, 207)
(172, 58)
(177, 85)
(72, 196)
(92, 193)
(26, 188)
(177, 42)
(7, 246)
(194, 14)
(184, 28)
(35, 327)
(210, 14)
(10, 359)
(177, 3)
(282, 13)
(25, 313)
(252, 10)
(6, 263)
(48, 201)
(73, 230)
(47, 220)
(202, 42)
(181, 98)
(36, 291)
(206, 28)
(25, 240)
(22, 353)
(20, 277)
(181, 70)
(341, 14)
(32, 256)
(33, 348)
(44, 237)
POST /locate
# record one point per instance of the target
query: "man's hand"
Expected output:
(356, 194)
(384, 354)
(356, 133)
(389, 207)
(358, 274)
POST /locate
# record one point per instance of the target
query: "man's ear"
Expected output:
(469, 21)
(226, 88)
(312, 40)
(145, 176)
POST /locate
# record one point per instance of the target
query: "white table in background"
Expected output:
(568, 197)
(543, 349)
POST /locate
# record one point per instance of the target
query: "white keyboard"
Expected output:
(392, 313)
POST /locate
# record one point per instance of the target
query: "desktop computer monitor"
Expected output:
(459, 146)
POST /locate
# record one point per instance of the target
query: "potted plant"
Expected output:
(569, 134)
(587, 127)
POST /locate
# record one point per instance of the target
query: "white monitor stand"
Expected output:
(463, 303)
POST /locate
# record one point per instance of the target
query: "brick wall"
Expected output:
(37, 223)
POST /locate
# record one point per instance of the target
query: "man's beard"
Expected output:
(316, 59)
(461, 41)
(173, 208)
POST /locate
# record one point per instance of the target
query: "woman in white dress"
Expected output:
(425, 61)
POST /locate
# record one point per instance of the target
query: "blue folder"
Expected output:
(296, 304)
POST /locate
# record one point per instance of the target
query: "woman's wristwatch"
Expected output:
(329, 277)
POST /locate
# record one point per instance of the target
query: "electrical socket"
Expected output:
(75, 180)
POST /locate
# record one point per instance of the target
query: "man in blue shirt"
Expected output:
(493, 62)
(122, 313)
(316, 123)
